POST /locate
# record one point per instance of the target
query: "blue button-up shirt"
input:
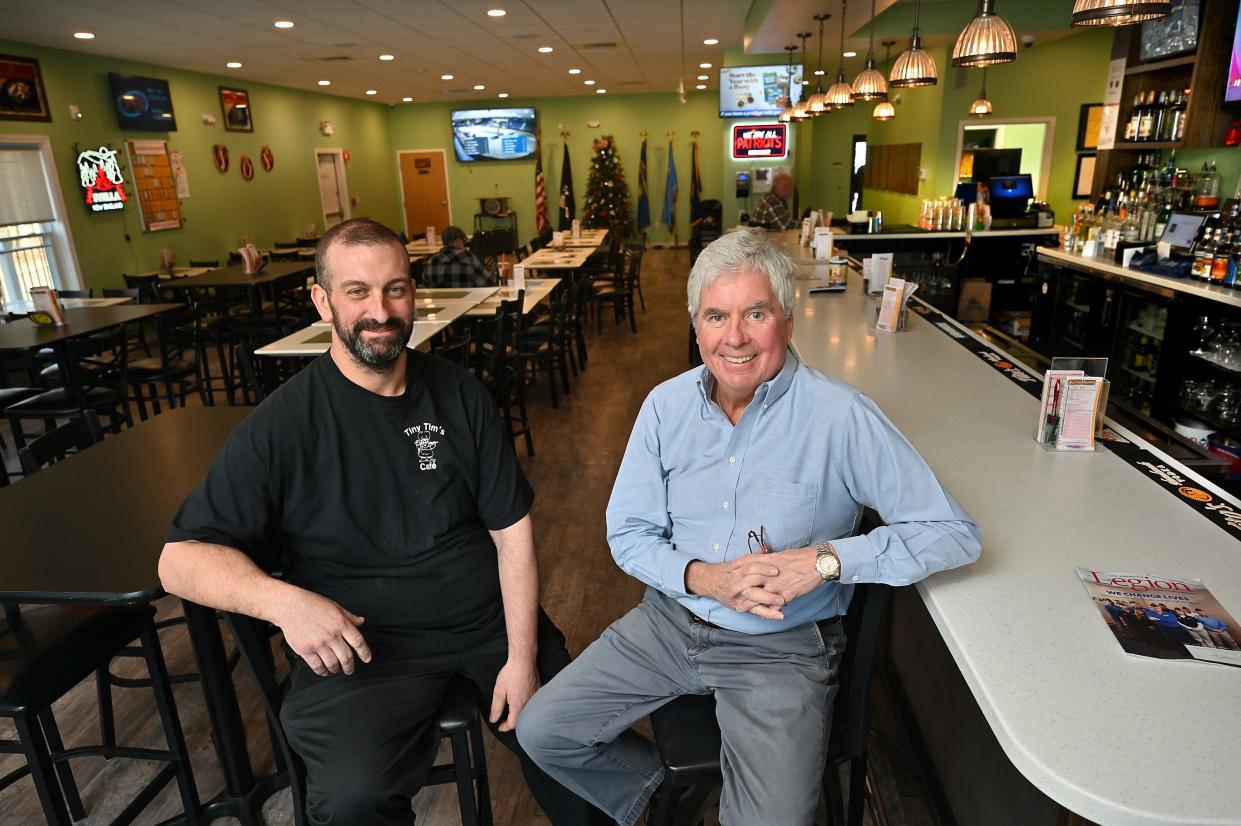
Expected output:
(804, 458)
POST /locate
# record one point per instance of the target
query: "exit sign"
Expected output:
(760, 140)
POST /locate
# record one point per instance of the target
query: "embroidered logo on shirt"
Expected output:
(425, 443)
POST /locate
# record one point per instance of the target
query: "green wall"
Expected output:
(275, 206)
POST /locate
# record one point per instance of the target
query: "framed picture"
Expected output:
(1174, 34)
(1083, 179)
(1088, 124)
(21, 89)
(235, 106)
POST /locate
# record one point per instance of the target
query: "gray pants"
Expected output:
(773, 696)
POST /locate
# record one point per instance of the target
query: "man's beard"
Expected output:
(369, 351)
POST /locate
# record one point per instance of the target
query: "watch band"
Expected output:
(827, 562)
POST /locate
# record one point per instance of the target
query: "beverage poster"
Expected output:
(153, 181)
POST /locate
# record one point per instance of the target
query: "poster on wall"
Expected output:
(179, 174)
(235, 105)
(153, 182)
(21, 89)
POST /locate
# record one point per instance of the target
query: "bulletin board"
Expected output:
(154, 183)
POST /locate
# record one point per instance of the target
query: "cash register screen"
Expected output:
(1181, 229)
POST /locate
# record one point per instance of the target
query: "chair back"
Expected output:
(863, 623)
(314, 242)
(76, 293)
(210, 263)
(146, 285)
(458, 352)
(79, 433)
(123, 292)
(286, 245)
(235, 259)
(104, 359)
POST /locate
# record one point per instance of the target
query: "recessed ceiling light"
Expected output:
(496, 12)
(710, 41)
(84, 35)
(545, 50)
(701, 86)
(387, 57)
(818, 73)
(703, 77)
(502, 95)
(575, 71)
(601, 91)
(589, 82)
(233, 64)
(325, 83)
(478, 87)
(704, 65)
(372, 91)
(407, 100)
(283, 24)
(445, 77)
(850, 54)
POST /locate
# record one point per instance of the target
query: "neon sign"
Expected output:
(760, 140)
(100, 176)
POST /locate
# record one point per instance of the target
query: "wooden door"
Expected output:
(424, 188)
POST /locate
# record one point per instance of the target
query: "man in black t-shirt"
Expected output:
(386, 484)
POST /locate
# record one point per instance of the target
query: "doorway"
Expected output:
(333, 187)
(424, 190)
(857, 172)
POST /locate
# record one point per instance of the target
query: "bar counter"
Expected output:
(1107, 267)
(1110, 737)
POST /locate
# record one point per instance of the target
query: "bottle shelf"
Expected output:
(1221, 368)
(1137, 146)
(1077, 308)
(1160, 65)
(1144, 376)
(1209, 419)
(1142, 331)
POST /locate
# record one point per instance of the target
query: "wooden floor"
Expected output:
(578, 449)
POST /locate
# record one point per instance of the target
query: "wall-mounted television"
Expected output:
(142, 103)
(755, 91)
(494, 134)
(1232, 90)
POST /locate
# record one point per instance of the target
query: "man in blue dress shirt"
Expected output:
(737, 503)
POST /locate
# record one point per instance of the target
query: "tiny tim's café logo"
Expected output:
(100, 176)
(761, 140)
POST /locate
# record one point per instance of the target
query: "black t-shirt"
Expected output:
(381, 503)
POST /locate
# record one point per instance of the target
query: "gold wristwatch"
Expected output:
(826, 562)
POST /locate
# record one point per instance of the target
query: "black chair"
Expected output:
(212, 263)
(458, 721)
(495, 365)
(76, 293)
(457, 350)
(147, 287)
(177, 367)
(688, 736)
(50, 650)
(547, 345)
(235, 259)
(79, 433)
(619, 293)
(637, 276)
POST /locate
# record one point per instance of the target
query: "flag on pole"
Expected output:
(568, 209)
(669, 216)
(541, 225)
(695, 187)
(644, 202)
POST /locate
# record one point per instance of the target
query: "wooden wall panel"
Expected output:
(893, 167)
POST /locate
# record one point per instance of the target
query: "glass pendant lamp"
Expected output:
(870, 84)
(915, 66)
(1118, 12)
(786, 114)
(840, 94)
(884, 110)
(981, 107)
(818, 101)
(986, 40)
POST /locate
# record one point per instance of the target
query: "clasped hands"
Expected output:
(760, 584)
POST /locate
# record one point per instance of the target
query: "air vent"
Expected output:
(525, 36)
(594, 46)
(339, 58)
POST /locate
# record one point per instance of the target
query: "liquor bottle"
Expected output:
(1159, 121)
(1207, 251)
(1222, 269)
(1209, 184)
(1127, 227)
(1146, 118)
(1135, 114)
(1178, 116)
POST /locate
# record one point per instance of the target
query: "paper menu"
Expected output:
(431, 236)
(46, 300)
(823, 242)
(519, 276)
(1049, 407)
(1077, 414)
(577, 229)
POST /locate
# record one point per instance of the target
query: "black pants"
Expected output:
(369, 738)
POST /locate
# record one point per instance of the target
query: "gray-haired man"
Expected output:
(754, 442)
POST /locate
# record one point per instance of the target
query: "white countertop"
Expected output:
(933, 234)
(1115, 738)
(1224, 295)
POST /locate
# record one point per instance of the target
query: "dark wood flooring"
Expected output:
(578, 449)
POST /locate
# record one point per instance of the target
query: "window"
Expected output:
(35, 246)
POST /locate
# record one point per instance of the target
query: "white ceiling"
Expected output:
(427, 37)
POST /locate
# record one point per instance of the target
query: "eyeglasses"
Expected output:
(758, 539)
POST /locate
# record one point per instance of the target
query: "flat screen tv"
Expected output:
(755, 91)
(142, 103)
(494, 134)
(1232, 91)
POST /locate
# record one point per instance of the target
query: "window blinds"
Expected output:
(25, 197)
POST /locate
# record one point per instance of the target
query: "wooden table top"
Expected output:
(24, 334)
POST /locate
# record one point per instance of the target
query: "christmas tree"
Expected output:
(607, 194)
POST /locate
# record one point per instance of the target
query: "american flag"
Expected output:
(541, 224)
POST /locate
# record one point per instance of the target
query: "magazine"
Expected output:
(1164, 618)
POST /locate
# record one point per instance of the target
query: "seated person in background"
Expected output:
(456, 266)
(772, 211)
(387, 484)
(736, 503)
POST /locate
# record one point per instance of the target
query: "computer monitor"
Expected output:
(1181, 229)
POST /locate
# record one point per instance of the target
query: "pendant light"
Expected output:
(915, 66)
(840, 94)
(786, 114)
(802, 110)
(981, 107)
(1118, 12)
(986, 40)
(818, 101)
(884, 110)
(870, 84)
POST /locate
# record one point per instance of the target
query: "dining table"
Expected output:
(548, 258)
(25, 306)
(89, 530)
(536, 289)
(268, 279)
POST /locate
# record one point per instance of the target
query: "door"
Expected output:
(857, 172)
(333, 190)
(424, 189)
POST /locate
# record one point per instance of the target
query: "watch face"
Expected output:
(828, 566)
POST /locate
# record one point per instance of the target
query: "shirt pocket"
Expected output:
(785, 510)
